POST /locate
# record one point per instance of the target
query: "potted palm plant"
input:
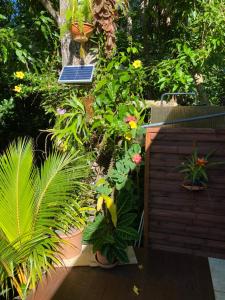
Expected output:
(74, 218)
(74, 214)
(31, 199)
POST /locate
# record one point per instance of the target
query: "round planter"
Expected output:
(73, 245)
(103, 262)
(193, 188)
(81, 36)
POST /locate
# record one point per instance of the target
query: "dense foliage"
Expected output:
(181, 41)
(162, 46)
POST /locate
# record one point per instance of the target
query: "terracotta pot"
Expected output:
(73, 245)
(83, 35)
(194, 187)
(103, 262)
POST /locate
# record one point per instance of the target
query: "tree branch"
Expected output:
(48, 6)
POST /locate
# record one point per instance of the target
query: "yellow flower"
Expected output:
(137, 64)
(128, 136)
(133, 124)
(136, 290)
(20, 75)
(17, 89)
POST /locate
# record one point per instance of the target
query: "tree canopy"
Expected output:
(180, 42)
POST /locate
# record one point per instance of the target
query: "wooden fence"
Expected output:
(177, 219)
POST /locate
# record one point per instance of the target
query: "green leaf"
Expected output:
(126, 219)
(121, 255)
(127, 233)
(124, 78)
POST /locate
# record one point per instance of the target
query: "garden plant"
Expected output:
(32, 203)
(140, 50)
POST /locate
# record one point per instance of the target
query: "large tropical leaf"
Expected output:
(16, 189)
(31, 201)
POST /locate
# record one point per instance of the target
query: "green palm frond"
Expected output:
(31, 201)
(16, 190)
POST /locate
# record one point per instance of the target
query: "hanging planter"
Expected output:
(195, 170)
(81, 36)
(79, 16)
(193, 187)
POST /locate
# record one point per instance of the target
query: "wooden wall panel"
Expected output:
(177, 219)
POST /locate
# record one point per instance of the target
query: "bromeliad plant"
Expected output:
(195, 170)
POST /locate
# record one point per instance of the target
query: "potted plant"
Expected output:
(79, 16)
(195, 170)
(74, 214)
(112, 231)
(74, 219)
(32, 199)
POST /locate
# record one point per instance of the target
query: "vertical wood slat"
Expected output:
(147, 186)
(173, 225)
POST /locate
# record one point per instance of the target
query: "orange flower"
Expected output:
(201, 161)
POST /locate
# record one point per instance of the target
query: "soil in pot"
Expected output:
(73, 245)
(103, 262)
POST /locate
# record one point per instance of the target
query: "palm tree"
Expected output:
(30, 200)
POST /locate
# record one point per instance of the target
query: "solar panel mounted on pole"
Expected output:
(77, 74)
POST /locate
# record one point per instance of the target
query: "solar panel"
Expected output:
(77, 74)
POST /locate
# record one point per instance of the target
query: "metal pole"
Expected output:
(184, 120)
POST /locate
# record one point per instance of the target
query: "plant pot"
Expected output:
(193, 188)
(103, 262)
(73, 245)
(81, 36)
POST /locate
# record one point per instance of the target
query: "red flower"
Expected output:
(137, 159)
(201, 161)
(130, 118)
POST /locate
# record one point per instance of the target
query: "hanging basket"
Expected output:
(194, 188)
(81, 36)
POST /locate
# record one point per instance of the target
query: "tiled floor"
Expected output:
(217, 268)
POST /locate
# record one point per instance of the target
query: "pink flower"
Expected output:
(137, 159)
(61, 111)
(130, 118)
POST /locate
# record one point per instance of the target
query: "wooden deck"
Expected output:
(159, 276)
